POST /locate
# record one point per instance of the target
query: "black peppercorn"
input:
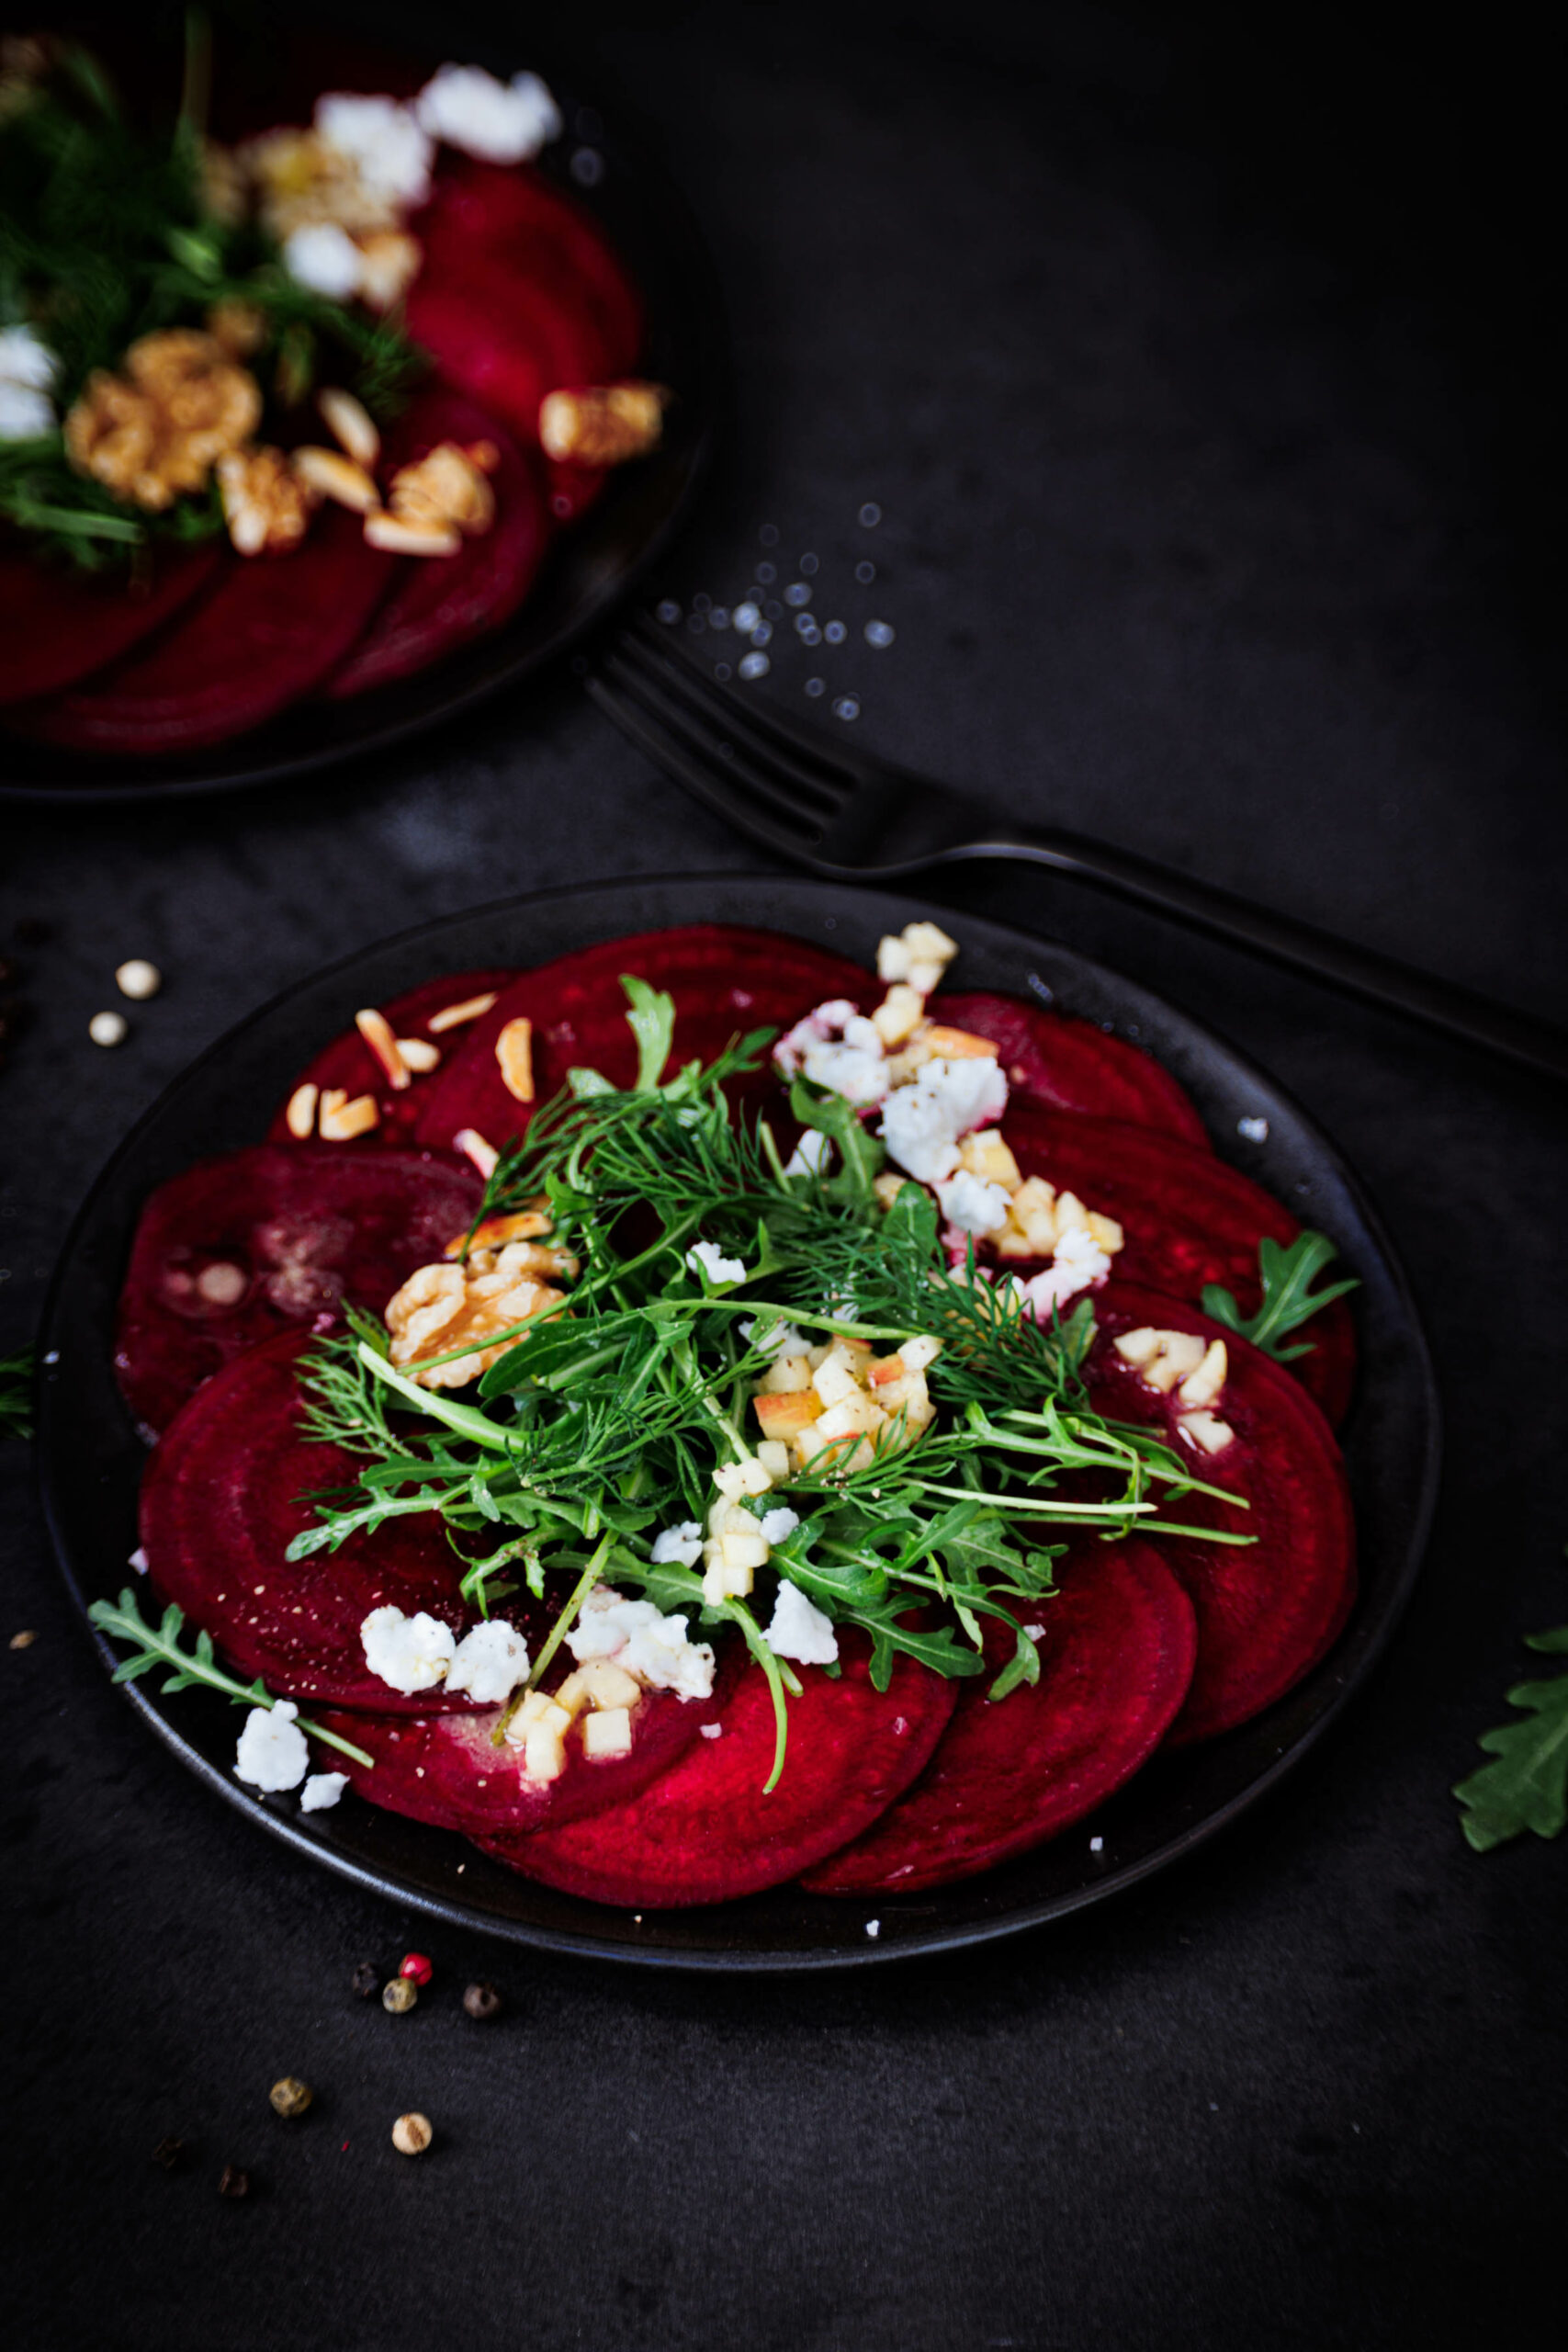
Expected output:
(483, 2000)
(366, 1979)
(168, 2154)
(232, 2182)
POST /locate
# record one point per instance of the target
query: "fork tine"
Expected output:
(700, 777)
(787, 737)
(719, 717)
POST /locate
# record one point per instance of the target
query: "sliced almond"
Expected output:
(496, 1232)
(453, 1016)
(332, 475)
(1204, 1387)
(349, 423)
(1205, 1430)
(472, 1144)
(419, 1054)
(332, 1100)
(350, 1119)
(299, 1118)
(515, 1056)
(376, 1032)
(958, 1044)
(385, 531)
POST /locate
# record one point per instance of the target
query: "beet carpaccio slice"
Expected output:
(219, 1507)
(1062, 1064)
(725, 981)
(446, 1769)
(266, 631)
(1268, 1609)
(57, 627)
(445, 601)
(705, 1832)
(239, 1249)
(1119, 1640)
(349, 1063)
(1188, 1219)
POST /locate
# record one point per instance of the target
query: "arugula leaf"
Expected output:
(16, 1394)
(652, 1022)
(860, 1154)
(160, 1645)
(1526, 1787)
(1289, 1298)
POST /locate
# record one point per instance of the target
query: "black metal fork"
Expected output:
(829, 808)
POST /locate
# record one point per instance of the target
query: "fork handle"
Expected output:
(1399, 986)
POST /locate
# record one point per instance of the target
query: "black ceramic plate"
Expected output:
(591, 565)
(90, 1458)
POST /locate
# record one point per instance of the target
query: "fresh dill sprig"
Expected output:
(159, 1646)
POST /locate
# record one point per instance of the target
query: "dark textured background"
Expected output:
(1201, 376)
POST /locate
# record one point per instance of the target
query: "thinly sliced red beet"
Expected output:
(505, 343)
(482, 216)
(219, 1507)
(299, 1230)
(349, 1063)
(1062, 1064)
(447, 1769)
(1117, 1657)
(58, 627)
(446, 601)
(705, 1832)
(270, 629)
(1186, 1217)
(1267, 1611)
(725, 981)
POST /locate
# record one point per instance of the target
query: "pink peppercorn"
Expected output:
(415, 1965)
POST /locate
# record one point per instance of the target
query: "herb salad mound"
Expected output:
(776, 1475)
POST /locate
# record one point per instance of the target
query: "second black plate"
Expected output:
(90, 1458)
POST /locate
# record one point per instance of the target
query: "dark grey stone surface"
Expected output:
(1198, 376)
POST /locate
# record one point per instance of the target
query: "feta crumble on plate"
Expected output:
(500, 122)
(408, 1654)
(272, 1753)
(492, 1659)
(706, 1257)
(322, 1790)
(679, 1546)
(634, 1635)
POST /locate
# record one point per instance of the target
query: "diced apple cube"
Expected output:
(853, 1416)
(609, 1733)
(598, 1684)
(1139, 1347)
(785, 1416)
(835, 1380)
(887, 1187)
(736, 1551)
(920, 1352)
(986, 1156)
(1071, 1213)
(785, 1376)
(899, 1015)
(722, 1583)
(773, 1455)
(882, 1369)
(1106, 1232)
(734, 1479)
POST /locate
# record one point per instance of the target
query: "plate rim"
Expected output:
(919, 1941)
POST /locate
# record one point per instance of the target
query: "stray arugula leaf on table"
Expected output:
(1289, 1299)
(1526, 1786)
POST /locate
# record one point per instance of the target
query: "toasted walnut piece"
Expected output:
(376, 1032)
(515, 1056)
(447, 489)
(238, 328)
(420, 1054)
(158, 430)
(349, 1119)
(350, 424)
(299, 1117)
(329, 474)
(393, 538)
(265, 505)
(454, 1016)
(432, 1297)
(602, 425)
(449, 1307)
(390, 262)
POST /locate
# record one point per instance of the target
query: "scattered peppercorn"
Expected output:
(168, 2154)
(232, 2182)
(366, 1979)
(109, 1028)
(400, 1993)
(138, 978)
(415, 1965)
(412, 2134)
(290, 2096)
(483, 2000)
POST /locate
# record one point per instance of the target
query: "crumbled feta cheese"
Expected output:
(322, 1790)
(500, 122)
(801, 1630)
(393, 154)
(325, 258)
(777, 1525)
(713, 1731)
(492, 1659)
(408, 1654)
(25, 414)
(1255, 1130)
(874, 1929)
(810, 1154)
(1096, 1844)
(681, 1546)
(652, 1647)
(272, 1753)
(734, 1479)
(784, 1339)
(973, 1204)
(824, 1020)
(836, 1047)
(26, 359)
(706, 1257)
(139, 1561)
(921, 1123)
(1078, 1261)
